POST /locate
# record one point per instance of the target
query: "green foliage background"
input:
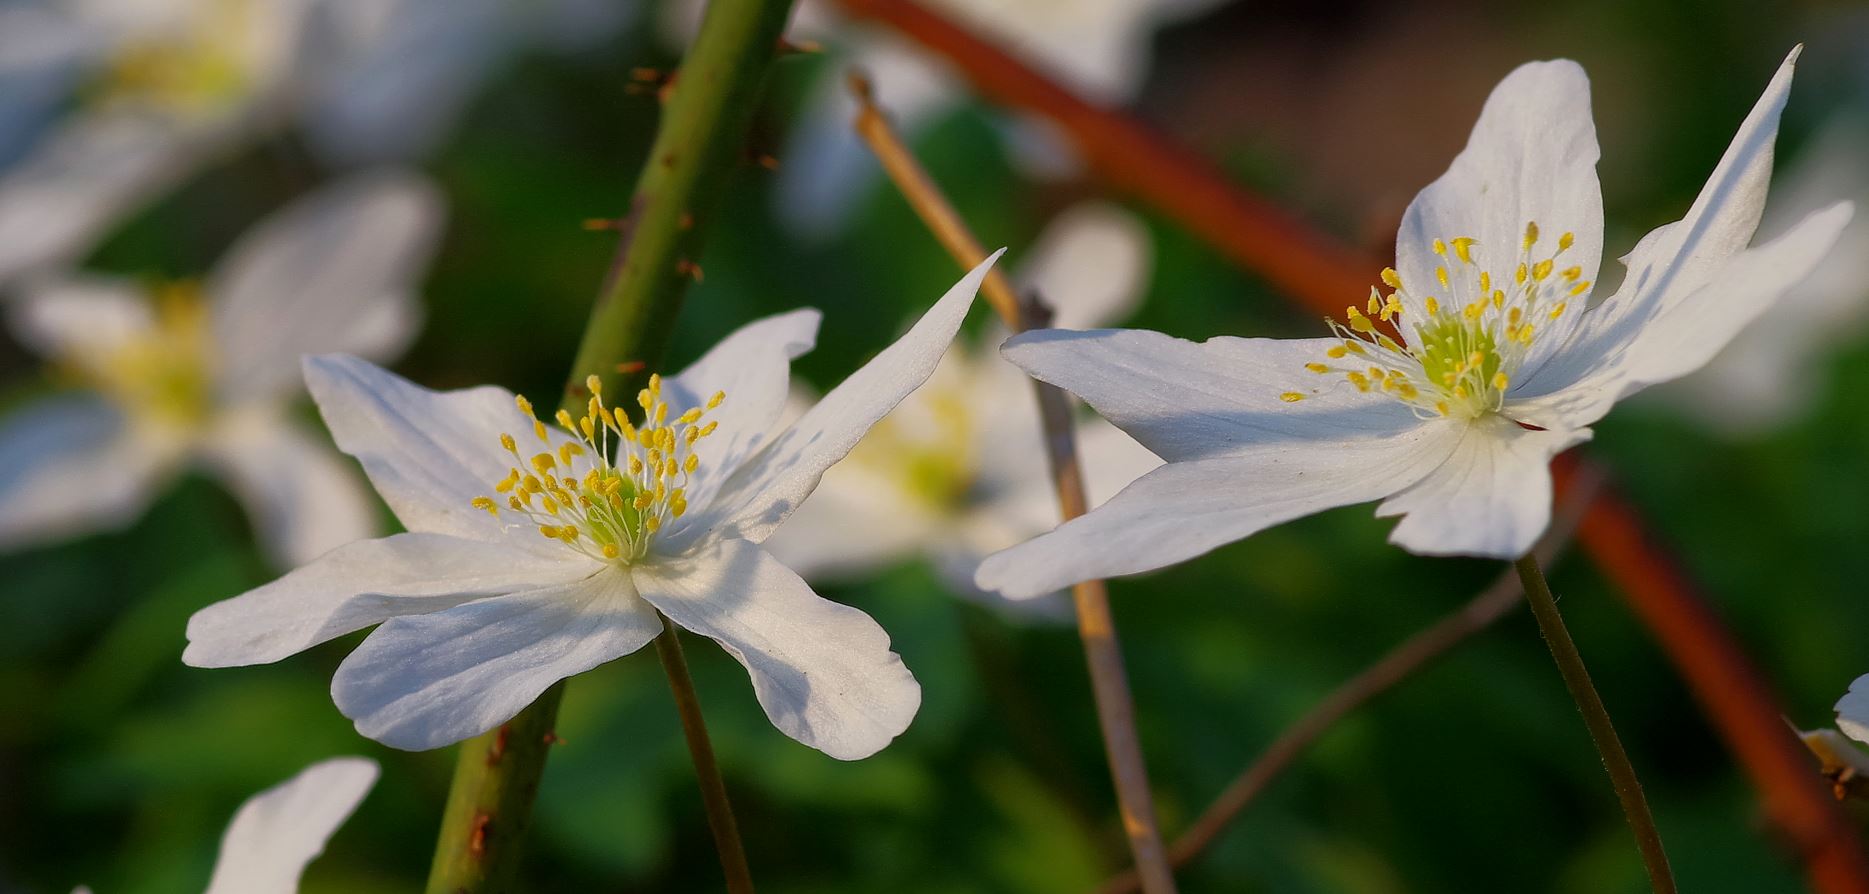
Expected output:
(119, 767)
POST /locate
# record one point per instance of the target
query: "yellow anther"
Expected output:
(1474, 310)
(691, 417)
(1376, 373)
(564, 420)
(644, 501)
(533, 485)
(1460, 392)
(1355, 347)
(1317, 367)
(507, 441)
(652, 524)
(1531, 234)
(1519, 275)
(691, 463)
(1440, 248)
(1486, 281)
(1500, 381)
(525, 406)
(486, 504)
(1566, 241)
(1440, 407)
(538, 429)
(514, 502)
(661, 413)
(1291, 397)
(708, 429)
(1571, 273)
(1499, 300)
(1392, 278)
(677, 502)
(549, 532)
(611, 551)
(1541, 270)
(589, 430)
(544, 462)
(635, 465)
(1433, 307)
(1512, 318)
(714, 401)
(1359, 380)
(1475, 359)
(1558, 311)
(655, 384)
(1440, 274)
(1580, 288)
(1387, 342)
(645, 400)
(593, 384)
(1463, 247)
(1336, 352)
(1375, 303)
(550, 505)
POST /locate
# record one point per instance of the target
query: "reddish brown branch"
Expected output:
(1324, 275)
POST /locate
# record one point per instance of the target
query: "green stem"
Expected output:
(697, 147)
(1602, 731)
(720, 818)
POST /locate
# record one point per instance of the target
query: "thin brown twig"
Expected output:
(1397, 665)
(1317, 270)
(720, 819)
(1109, 680)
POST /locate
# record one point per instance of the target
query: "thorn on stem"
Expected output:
(628, 367)
(477, 839)
(686, 222)
(789, 47)
(553, 739)
(689, 268)
(498, 750)
(602, 224)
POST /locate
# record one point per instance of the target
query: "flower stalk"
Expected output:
(720, 819)
(1096, 626)
(697, 146)
(1596, 717)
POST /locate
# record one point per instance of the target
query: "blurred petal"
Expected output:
(59, 200)
(304, 499)
(71, 465)
(334, 271)
(1492, 497)
(1853, 710)
(1185, 509)
(762, 492)
(424, 681)
(1189, 400)
(82, 319)
(278, 831)
(398, 73)
(1091, 265)
(752, 366)
(822, 671)
(1532, 158)
(1671, 263)
(856, 522)
(364, 583)
(428, 453)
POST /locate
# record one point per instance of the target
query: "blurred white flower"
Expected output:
(958, 471)
(280, 830)
(163, 89)
(207, 373)
(1772, 372)
(1505, 366)
(1853, 710)
(1098, 48)
(512, 578)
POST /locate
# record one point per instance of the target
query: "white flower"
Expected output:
(1098, 48)
(167, 86)
(208, 373)
(280, 830)
(958, 471)
(536, 553)
(1504, 366)
(1772, 371)
(171, 86)
(1853, 710)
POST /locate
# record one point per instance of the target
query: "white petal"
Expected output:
(1532, 158)
(429, 453)
(1185, 509)
(822, 671)
(57, 202)
(364, 583)
(1187, 400)
(752, 367)
(762, 492)
(1090, 265)
(1683, 336)
(278, 831)
(397, 75)
(1674, 261)
(304, 498)
(72, 465)
(334, 271)
(1491, 498)
(1853, 710)
(425, 681)
(83, 319)
(1764, 378)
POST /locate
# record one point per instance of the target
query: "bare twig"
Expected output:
(1319, 272)
(1400, 663)
(1109, 681)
